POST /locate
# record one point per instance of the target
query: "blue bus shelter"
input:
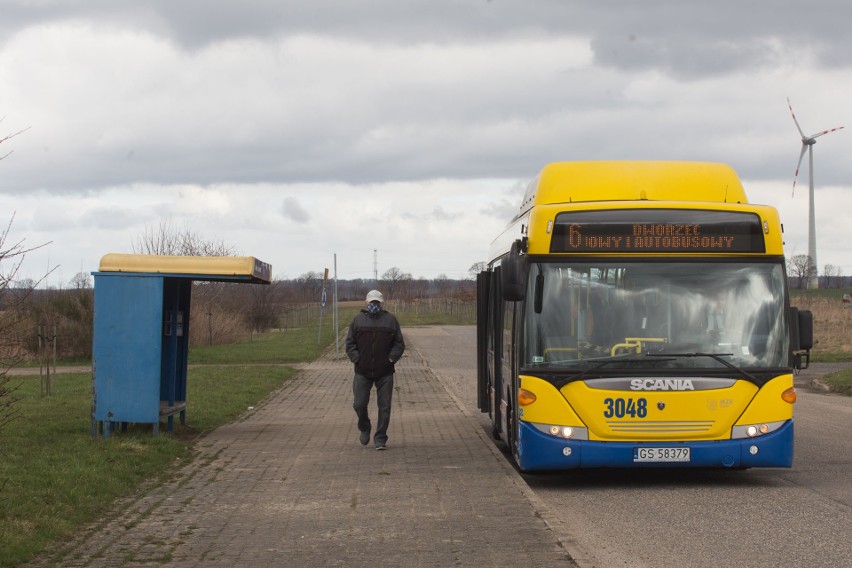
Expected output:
(141, 333)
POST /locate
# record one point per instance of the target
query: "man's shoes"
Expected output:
(381, 446)
(365, 438)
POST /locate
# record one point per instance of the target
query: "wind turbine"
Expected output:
(808, 145)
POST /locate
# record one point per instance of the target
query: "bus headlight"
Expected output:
(754, 430)
(566, 432)
(563, 432)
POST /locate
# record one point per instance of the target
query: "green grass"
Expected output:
(59, 479)
(294, 345)
(840, 382)
(55, 479)
(218, 394)
(412, 320)
(818, 293)
(830, 357)
(286, 346)
(76, 362)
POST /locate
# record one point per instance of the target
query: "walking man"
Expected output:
(374, 343)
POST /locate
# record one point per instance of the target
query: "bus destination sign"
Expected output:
(657, 230)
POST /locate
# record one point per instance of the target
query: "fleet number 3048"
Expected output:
(621, 407)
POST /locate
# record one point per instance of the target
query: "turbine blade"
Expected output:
(796, 175)
(818, 134)
(794, 118)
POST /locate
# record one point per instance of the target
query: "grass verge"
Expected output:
(284, 346)
(55, 479)
(840, 382)
(830, 357)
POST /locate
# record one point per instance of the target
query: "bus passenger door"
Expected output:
(493, 352)
(483, 399)
(508, 375)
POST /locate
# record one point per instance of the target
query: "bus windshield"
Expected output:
(680, 315)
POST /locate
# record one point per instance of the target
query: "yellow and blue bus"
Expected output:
(636, 314)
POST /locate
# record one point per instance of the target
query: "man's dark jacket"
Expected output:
(374, 343)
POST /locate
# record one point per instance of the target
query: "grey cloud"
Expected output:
(500, 126)
(682, 59)
(700, 39)
(697, 30)
(293, 210)
(441, 214)
(109, 218)
(507, 206)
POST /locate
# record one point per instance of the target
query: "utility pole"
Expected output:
(334, 311)
(376, 266)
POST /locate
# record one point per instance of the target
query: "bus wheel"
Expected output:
(513, 446)
(511, 435)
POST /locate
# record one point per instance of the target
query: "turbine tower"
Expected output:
(808, 145)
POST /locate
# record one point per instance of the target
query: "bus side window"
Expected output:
(508, 310)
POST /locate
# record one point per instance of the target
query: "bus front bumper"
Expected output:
(538, 452)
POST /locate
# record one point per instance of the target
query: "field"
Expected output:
(832, 323)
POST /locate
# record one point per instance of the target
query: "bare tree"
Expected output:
(13, 299)
(210, 299)
(260, 312)
(444, 285)
(81, 281)
(10, 323)
(24, 284)
(476, 268)
(393, 279)
(309, 286)
(167, 240)
(832, 275)
(418, 289)
(798, 267)
(9, 137)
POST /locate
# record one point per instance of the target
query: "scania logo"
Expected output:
(661, 384)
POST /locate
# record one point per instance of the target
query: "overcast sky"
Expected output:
(294, 131)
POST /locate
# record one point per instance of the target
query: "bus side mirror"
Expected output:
(513, 274)
(801, 337)
(806, 329)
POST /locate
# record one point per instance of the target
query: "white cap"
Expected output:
(375, 295)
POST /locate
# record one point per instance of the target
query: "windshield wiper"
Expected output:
(627, 358)
(715, 356)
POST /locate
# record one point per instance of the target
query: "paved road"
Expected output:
(675, 518)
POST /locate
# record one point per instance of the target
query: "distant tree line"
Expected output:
(221, 312)
(799, 267)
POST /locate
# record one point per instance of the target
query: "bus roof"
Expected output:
(570, 182)
(224, 268)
